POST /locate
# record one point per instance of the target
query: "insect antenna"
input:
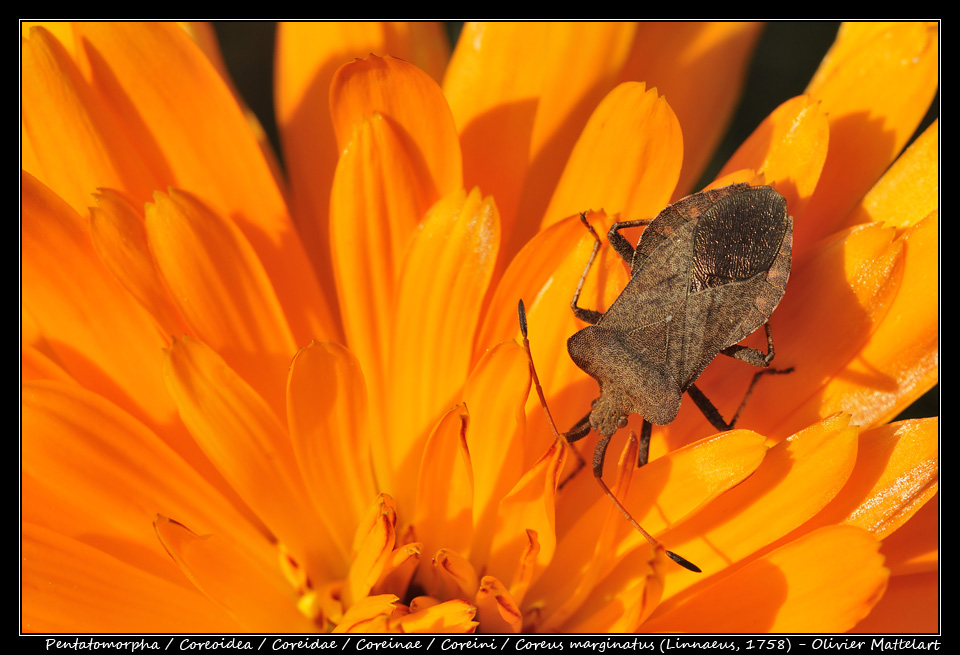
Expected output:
(522, 314)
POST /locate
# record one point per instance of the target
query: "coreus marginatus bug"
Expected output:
(707, 271)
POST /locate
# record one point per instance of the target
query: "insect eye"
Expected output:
(622, 422)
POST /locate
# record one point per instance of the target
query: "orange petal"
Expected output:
(120, 239)
(412, 102)
(684, 481)
(373, 545)
(899, 360)
(520, 94)
(445, 487)
(789, 148)
(896, 474)
(457, 572)
(249, 446)
(660, 494)
(740, 176)
(222, 289)
(700, 69)
(580, 64)
(444, 278)
(695, 475)
(62, 30)
(544, 275)
(640, 601)
(529, 507)
(495, 393)
(912, 600)
(98, 333)
(627, 160)
(498, 612)
(910, 189)
(183, 120)
(451, 616)
(399, 569)
(35, 364)
(94, 472)
(851, 37)
(259, 599)
(203, 34)
(824, 582)
(624, 600)
(495, 112)
(583, 568)
(307, 55)
(69, 586)
(31, 334)
(327, 415)
(911, 604)
(915, 546)
(874, 91)
(369, 614)
(323, 604)
(72, 140)
(378, 198)
(526, 568)
(568, 91)
(797, 478)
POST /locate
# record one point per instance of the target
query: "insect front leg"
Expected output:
(619, 242)
(623, 248)
(643, 451)
(599, 454)
(590, 316)
(580, 429)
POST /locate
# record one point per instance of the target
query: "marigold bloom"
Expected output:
(260, 406)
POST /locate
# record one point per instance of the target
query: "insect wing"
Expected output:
(738, 237)
(741, 262)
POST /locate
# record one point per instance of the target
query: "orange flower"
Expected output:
(238, 421)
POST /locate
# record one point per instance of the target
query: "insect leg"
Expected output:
(619, 242)
(599, 454)
(590, 316)
(643, 451)
(580, 429)
(753, 356)
(710, 411)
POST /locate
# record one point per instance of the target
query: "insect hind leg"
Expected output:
(710, 411)
(751, 356)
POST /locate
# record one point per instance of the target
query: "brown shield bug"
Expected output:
(708, 271)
